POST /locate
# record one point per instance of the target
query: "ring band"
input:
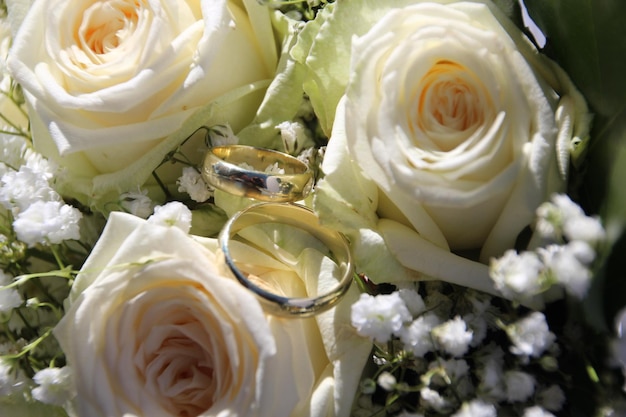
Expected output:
(261, 174)
(303, 218)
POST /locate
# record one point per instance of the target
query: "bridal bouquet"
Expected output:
(469, 154)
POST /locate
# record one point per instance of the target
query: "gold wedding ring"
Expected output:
(300, 217)
(257, 173)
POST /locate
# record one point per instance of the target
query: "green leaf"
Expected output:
(588, 39)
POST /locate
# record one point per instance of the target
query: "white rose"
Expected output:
(110, 84)
(458, 130)
(154, 327)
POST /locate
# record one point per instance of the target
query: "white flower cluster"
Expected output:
(39, 214)
(172, 214)
(443, 343)
(192, 183)
(54, 386)
(137, 203)
(564, 257)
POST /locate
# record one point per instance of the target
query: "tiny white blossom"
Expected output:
(308, 155)
(416, 336)
(137, 203)
(536, 411)
(476, 408)
(55, 386)
(192, 183)
(519, 385)
(173, 214)
(531, 335)
(491, 373)
(12, 380)
(379, 317)
(517, 274)
(478, 325)
(452, 371)
(586, 229)
(222, 135)
(387, 381)
(456, 368)
(47, 222)
(414, 301)
(562, 216)
(20, 189)
(293, 135)
(549, 222)
(434, 400)
(10, 298)
(453, 336)
(568, 263)
(567, 207)
(552, 398)
(39, 165)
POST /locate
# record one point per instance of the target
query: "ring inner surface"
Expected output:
(284, 257)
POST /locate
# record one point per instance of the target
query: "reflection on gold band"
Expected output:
(301, 217)
(257, 173)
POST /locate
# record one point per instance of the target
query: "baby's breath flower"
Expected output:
(222, 135)
(561, 209)
(562, 217)
(491, 374)
(584, 228)
(569, 266)
(173, 214)
(432, 399)
(191, 182)
(456, 368)
(530, 336)
(47, 222)
(478, 325)
(476, 408)
(453, 336)
(516, 275)
(519, 385)
(137, 203)
(10, 298)
(294, 136)
(12, 379)
(379, 317)
(39, 165)
(12, 251)
(387, 381)
(55, 386)
(549, 221)
(413, 301)
(416, 336)
(22, 188)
